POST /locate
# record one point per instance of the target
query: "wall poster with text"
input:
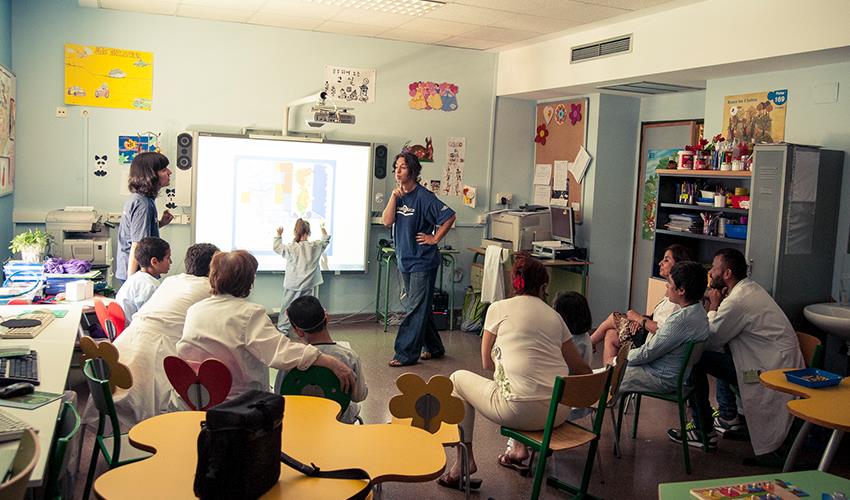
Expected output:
(755, 118)
(107, 77)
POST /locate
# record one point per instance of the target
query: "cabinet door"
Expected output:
(766, 214)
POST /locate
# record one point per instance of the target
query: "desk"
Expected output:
(55, 346)
(386, 256)
(311, 433)
(826, 406)
(812, 482)
(582, 266)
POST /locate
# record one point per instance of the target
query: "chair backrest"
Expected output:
(811, 348)
(583, 391)
(315, 381)
(111, 318)
(97, 373)
(201, 385)
(619, 369)
(22, 466)
(117, 317)
(693, 352)
(427, 404)
(655, 290)
(118, 374)
(67, 427)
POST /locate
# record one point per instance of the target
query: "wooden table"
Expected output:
(827, 407)
(311, 434)
(55, 346)
(582, 266)
(812, 482)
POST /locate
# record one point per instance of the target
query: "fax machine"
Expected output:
(521, 228)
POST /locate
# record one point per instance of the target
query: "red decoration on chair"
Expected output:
(201, 385)
(111, 318)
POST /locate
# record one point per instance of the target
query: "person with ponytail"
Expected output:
(303, 274)
(527, 344)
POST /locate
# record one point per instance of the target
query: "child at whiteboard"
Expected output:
(303, 275)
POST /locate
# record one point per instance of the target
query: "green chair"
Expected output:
(118, 451)
(67, 426)
(577, 391)
(693, 351)
(315, 381)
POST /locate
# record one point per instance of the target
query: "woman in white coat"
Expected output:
(153, 335)
(240, 334)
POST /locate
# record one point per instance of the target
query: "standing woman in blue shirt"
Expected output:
(419, 221)
(149, 173)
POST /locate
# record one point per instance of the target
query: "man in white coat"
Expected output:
(749, 334)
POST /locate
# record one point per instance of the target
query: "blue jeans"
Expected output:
(721, 366)
(418, 328)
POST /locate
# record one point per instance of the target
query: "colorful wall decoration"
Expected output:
(559, 135)
(424, 153)
(7, 131)
(755, 118)
(350, 84)
(433, 95)
(130, 145)
(655, 159)
(453, 174)
(107, 77)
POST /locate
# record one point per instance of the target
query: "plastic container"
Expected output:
(813, 378)
(736, 231)
(736, 200)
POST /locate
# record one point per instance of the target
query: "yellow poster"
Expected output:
(755, 118)
(106, 77)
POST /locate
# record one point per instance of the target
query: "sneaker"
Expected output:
(723, 426)
(694, 436)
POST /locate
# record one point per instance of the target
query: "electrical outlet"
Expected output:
(61, 112)
(187, 218)
(482, 218)
(508, 197)
(113, 217)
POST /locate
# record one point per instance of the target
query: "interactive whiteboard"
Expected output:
(245, 188)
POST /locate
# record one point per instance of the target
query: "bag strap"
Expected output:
(313, 470)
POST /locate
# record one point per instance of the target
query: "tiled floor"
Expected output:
(645, 462)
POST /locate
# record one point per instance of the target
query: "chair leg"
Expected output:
(464, 468)
(599, 466)
(80, 447)
(539, 472)
(637, 414)
(615, 433)
(92, 469)
(684, 435)
(623, 399)
(588, 468)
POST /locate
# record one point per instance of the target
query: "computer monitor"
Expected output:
(563, 224)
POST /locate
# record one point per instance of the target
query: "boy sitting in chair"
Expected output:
(310, 322)
(154, 257)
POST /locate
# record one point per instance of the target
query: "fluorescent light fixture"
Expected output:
(406, 7)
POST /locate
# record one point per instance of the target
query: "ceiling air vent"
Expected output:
(604, 48)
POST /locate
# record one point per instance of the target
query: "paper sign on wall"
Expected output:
(350, 84)
(453, 174)
(542, 195)
(559, 175)
(7, 131)
(579, 167)
(107, 77)
(542, 173)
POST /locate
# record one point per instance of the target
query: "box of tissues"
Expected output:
(79, 290)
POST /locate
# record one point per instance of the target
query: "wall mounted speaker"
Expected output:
(379, 177)
(184, 151)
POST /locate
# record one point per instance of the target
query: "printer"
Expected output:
(521, 228)
(78, 234)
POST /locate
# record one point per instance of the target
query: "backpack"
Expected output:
(472, 315)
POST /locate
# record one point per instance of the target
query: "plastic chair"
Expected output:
(200, 385)
(812, 350)
(693, 351)
(315, 381)
(67, 427)
(118, 451)
(577, 391)
(111, 318)
(430, 406)
(22, 466)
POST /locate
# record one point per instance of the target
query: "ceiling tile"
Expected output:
(500, 34)
(219, 14)
(375, 18)
(576, 11)
(448, 28)
(538, 24)
(518, 6)
(413, 36)
(630, 4)
(466, 14)
(469, 43)
(350, 28)
(283, 21)
(151, 7)
(299, 8)
(225, 4)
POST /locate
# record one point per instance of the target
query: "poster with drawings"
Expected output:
(350, 84)
(7, 131)
(453, 174)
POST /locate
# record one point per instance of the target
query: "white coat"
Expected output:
(240, 334)
(760, 338)
(302, 262)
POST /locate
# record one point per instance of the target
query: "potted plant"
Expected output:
(31, 244)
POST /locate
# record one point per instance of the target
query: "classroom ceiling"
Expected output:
(471, 24)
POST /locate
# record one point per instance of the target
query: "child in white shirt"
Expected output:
(154, 257)
(573, 308)
(303, 275)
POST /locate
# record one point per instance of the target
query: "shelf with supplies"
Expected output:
(681, 206)
(731, 241)
(715, 174)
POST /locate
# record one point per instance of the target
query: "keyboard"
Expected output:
(11, 427)
(46, 317)
(19, 369)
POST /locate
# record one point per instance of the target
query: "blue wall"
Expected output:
(6, 202)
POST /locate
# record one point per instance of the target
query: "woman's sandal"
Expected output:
(455, 483)
(427, 355)
(398, 364)
(506, 460)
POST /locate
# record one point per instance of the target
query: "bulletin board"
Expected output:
(560, 132)
(7, 131)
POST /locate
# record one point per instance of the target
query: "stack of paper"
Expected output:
(685, 223)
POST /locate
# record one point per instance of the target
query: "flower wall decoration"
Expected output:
(575, 113)
(542, 134)
(560, 114)
(428, 404)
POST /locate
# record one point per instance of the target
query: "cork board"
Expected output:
(566, 124)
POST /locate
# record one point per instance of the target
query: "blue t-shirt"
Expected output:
(418, 211)
(138, 220)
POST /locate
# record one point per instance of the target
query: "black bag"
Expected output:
(239, 450)
(239, 447)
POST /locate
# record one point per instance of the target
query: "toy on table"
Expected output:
(759, 490)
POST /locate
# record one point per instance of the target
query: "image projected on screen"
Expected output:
(246, 188)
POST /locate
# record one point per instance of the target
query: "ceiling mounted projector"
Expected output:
(328, 114)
